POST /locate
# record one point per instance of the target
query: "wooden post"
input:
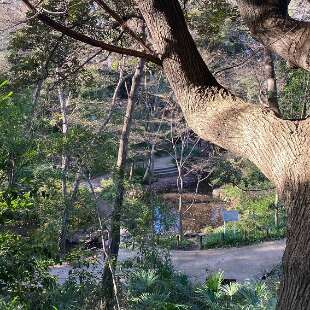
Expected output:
(200, 242)
(224, 232)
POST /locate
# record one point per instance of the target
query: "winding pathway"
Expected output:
(244, 263)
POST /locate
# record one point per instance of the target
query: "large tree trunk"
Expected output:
(295, 285)
(119, 185)
(280, 148)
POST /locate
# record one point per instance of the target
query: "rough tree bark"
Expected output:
(270, 24)
(280, 148)
(119, 184)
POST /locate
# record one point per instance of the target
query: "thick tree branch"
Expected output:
(251, 131)
(88, 40)
(269, 23)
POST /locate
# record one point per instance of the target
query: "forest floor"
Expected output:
(242, 263)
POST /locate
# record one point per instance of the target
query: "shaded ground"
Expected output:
(249, 262)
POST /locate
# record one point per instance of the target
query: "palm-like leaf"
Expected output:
(230, 289)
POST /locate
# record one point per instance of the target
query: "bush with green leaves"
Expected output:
(24, 276)
(261, 219)
(152, 283)
(171, 242)
(214, 295)
(294, 101)
(228, 169)
(158, 286)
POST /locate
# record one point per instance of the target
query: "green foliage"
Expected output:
(159, 287)
(154, 285)
(214, 282)
(17, 209)
(13, 304)
(257, 220)
(237, 171)
(171, 243)
(294, 103)
(24, 277)
(4, 96)
(16, 148)
(80, 291)
(209, 19)
(36, 52)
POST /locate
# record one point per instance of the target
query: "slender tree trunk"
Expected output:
(272, 93)
(152, 108)
(114, 98)
(180, 211)
(119, 185)
(180, 201)
(68, 203)
(276, 211)
(149, 168)
(131, 170)
(64, 168)
(12, 171)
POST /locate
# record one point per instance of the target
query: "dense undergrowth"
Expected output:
(148, 282)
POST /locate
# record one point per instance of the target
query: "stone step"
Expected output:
(165, 169)
(166, 174)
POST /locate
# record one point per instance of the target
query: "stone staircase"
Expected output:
(165, 172)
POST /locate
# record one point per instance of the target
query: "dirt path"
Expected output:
(249, 262)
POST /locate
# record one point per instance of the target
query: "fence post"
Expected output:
(200, 242)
